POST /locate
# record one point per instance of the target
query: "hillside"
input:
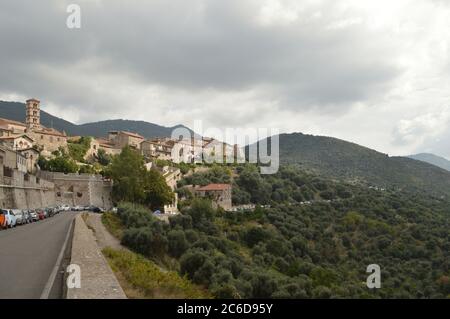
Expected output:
(296, 249)
(339, 159)
(432, 159)
(16, 111)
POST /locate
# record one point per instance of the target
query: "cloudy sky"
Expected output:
(372, 72)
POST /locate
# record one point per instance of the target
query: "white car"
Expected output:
(65, 208)
(10, 218)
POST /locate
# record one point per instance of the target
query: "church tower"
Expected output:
(33, 117)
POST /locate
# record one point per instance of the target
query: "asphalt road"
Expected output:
(28, 255)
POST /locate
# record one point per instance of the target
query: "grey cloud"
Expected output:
(187, 45)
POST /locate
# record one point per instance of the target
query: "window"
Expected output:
(42, 137)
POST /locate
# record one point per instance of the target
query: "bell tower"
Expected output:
(33, 114)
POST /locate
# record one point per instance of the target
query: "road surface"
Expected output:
(28, 255)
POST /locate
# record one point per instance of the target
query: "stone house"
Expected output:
(120, 139)
(157, 149)
(220, 194)
(13, 160)
(32, 155)
(107, 146)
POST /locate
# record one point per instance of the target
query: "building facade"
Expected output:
(220, 194)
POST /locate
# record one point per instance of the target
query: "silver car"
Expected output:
(20, 216)
(34, 215)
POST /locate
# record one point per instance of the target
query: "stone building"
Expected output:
(8, 127)
(13, 160)
(46, 139)
(157, 149)
(107, 146)
(17, 141)
(220, 194)
(32, 155)
(120, 139)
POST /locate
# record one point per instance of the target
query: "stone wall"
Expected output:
(80, 189)
(25, 191)
(20, 190)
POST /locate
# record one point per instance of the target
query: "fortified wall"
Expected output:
(20, 190)
(80, 189)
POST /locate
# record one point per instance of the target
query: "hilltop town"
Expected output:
(29, 180)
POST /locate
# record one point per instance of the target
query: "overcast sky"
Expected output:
(372, 72)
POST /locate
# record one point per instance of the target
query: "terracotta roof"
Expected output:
(132, 134)
(7, 121)
(214, 187)
(127, 133)
(49, 131)
(33, 100)
(104, 142)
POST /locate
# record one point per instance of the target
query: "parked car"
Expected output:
(10, 218)
(66, 208)
(96, 209)
(34, 215)
(49, 211)
(20, 216)
(41, 213)
(27, 217)
(2, 219)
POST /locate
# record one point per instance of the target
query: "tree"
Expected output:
(158, 193)
(191, 261)
(78, 149)
(129, 175)
(201, 209)
(60, 163)
(103, 158)
(133, 183)
(177, 243)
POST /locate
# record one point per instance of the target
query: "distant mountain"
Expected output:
(16, 111)
(433, 160)
(335, 158)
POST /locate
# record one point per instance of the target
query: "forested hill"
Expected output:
(339, 159)
(16, 111)
(432, 159)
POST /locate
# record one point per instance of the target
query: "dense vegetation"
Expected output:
(146, 280)
(61, 162)
(334, 158)
(133, 183)
(315, 241)
(78, 149)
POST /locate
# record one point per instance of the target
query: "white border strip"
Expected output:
(51, 280)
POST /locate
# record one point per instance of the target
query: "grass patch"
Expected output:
(141, 278)
(113, 224)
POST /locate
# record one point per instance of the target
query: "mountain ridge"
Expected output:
(432, 159)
